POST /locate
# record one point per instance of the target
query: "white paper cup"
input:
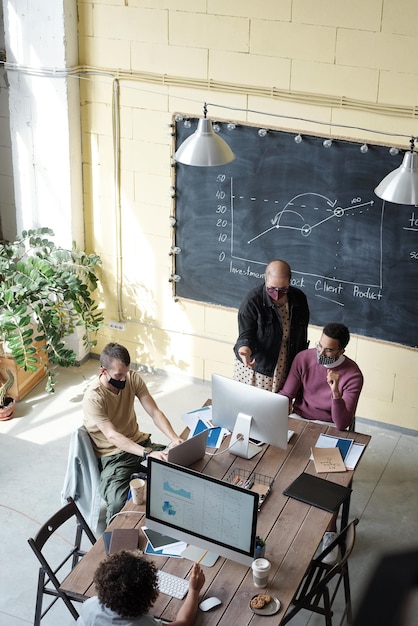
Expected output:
(261, 570)
(137, 486)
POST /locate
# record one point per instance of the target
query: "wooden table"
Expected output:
(292, 529)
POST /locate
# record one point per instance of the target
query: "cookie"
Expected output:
(258, 602)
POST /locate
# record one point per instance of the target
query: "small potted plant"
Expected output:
(45, 295)
(7, 403)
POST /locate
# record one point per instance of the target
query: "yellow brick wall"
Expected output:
(164, 54)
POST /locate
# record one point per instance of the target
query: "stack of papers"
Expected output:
(162, 545)
(350, 450)
(201, 419)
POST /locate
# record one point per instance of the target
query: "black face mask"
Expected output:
(118, 384)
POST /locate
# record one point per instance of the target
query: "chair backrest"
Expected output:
(345, 541)
(319, 574)
(48, 582)
(313, 593)
(58, 519)
(352, 427)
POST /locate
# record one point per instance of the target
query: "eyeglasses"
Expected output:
(327, 351)
(277, 289)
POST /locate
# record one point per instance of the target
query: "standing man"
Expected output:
(273, 327)
(324, 383)
(110, 420)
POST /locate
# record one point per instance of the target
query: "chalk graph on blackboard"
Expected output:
(335, 238)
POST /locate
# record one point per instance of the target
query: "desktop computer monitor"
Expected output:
(203, 511)
(249, 413)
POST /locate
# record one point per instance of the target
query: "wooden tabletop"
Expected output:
(292, 530)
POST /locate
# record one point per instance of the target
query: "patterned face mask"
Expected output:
(276, 293)
(326, 360)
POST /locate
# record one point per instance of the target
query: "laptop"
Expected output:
(188, 452)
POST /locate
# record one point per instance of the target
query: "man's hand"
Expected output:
(175, 442)
(159, 454)
(332, 379)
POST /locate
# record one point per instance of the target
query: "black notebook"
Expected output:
(317, 492)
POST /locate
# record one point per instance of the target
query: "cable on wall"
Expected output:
(117, 192)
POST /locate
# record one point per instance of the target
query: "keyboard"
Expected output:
(171, 585)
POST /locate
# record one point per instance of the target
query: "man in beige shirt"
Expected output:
(111, 422)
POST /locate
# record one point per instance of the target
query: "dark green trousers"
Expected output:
(115, 476)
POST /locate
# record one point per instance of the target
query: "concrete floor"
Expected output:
(34, 449)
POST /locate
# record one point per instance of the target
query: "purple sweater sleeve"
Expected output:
(343, 409)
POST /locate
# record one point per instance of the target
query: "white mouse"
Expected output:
(209, 603)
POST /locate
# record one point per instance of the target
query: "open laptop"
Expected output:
(188, 452)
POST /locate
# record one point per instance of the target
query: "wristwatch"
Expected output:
(145, 454)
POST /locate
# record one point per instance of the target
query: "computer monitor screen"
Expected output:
(249, 413)
(201, 510)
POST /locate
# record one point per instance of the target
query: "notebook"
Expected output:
(123, 539)
(188, 452)
(318, 492)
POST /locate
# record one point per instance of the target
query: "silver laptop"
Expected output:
(188, 452)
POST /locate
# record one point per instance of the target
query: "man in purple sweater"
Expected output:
(325, 385)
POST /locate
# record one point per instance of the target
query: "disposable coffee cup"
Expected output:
(137, 486)
(261, 570)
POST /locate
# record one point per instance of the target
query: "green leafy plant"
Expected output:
(45, 293)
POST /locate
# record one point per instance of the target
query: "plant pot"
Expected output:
(6, 411)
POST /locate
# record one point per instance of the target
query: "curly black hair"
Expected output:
(127, 584)
(337, 331)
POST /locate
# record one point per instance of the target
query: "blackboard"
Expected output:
(353, 254)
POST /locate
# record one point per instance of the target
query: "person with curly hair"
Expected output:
(127, 588)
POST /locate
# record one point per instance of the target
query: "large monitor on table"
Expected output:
(203, 511)
(249, 413)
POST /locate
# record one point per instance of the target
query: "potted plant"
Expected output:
(7, 403)
(45, 293)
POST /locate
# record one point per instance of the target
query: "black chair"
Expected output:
(48, 582)
(319, 588)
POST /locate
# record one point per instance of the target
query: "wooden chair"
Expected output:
(48, 581)
(319, 588)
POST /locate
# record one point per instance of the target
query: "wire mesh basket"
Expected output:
(260, 483)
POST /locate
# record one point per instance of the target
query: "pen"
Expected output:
(249, 483)
(202, 557)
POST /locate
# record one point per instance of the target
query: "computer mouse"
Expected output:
(209, 603)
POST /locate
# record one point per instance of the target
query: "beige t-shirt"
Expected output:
(101, 405)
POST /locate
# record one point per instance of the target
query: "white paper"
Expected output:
(204, 415)
(192, 417)
(353, 456)
(330, 441)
